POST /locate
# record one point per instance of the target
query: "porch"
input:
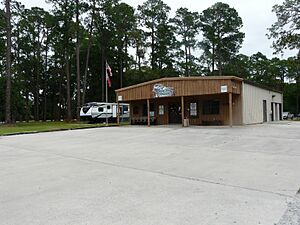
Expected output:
(217, 109)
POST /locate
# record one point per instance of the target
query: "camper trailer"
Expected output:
(102, 111)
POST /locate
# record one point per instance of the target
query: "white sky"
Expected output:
(256, 15)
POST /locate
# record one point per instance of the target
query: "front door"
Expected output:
(174, 113)
(265, 113)
(280, 111)
(273, 113)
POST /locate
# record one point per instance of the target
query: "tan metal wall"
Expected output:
(253, 103)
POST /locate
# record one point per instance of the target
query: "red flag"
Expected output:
(108, 80)
(108, 69)
(108, 74)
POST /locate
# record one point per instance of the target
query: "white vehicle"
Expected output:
(100, 111)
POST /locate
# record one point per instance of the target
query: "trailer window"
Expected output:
(125, 109)
(100, 109)
(108, 107)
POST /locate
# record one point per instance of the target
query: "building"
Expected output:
(222, 100)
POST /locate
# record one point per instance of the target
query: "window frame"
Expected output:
(195, 110)
(161, 110)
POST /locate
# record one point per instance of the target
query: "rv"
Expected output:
(102, 111)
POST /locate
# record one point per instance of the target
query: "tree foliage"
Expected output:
(186, 24)
(59, 56)
(285, 31)
(221, 26)
(286, 34)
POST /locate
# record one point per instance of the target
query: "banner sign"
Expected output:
(160, 90)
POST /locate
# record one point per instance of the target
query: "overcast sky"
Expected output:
(256, 15)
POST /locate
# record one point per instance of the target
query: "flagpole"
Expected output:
(106, 88)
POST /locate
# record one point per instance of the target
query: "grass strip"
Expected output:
(37, 127)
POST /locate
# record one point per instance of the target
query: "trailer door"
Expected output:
(114, 111)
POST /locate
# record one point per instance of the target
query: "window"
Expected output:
(211, 108)
(100, 109)
(161, 110)
(193, 109)
(108, 107)
(135, 110)
(145, 110)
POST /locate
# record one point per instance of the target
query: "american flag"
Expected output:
(108, 74)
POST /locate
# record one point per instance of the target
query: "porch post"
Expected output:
(230, 109)
(182, 110)
(148, 111)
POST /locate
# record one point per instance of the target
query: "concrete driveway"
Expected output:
(159, 176)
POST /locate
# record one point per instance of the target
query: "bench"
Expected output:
(142, 120)
(212, 122)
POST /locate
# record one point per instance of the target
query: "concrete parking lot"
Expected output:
(161, 175)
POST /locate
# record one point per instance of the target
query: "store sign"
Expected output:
(160, 90)
(120, 98)
(224, 89)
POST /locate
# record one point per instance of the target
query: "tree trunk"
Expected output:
(37, 85)
(60, 97)
(121, 71)
(213, 58)
(27, 117)
(88, 54)
(45, 77)
(219, 63)
(67, 64)
(8, 64)
(298, 85)
(138, 56)
(186, 60)
(298, 94)
(69, 109)
(189, 61)
(152, 49)
(78, 62)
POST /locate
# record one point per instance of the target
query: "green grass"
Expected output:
(33, 127)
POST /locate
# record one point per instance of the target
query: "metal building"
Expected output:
(222, 100)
